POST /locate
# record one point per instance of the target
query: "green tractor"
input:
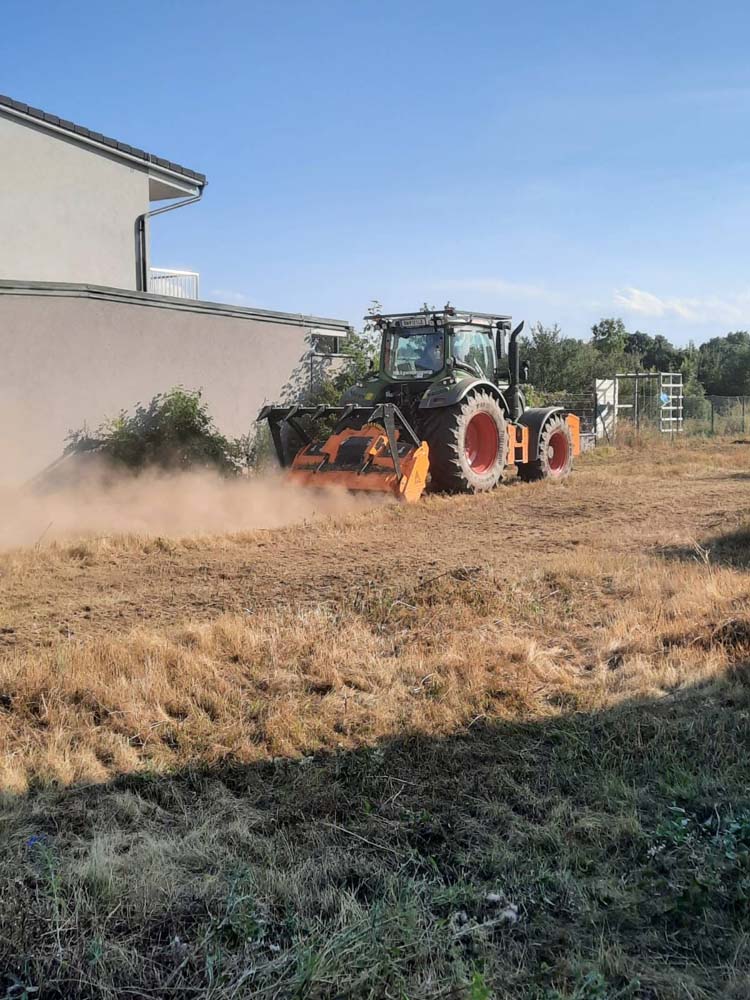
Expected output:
(444, 410)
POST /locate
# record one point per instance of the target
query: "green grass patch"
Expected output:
(589, 857)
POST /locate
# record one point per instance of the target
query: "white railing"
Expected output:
(178, 284)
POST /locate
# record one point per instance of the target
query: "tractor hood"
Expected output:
(370, 391)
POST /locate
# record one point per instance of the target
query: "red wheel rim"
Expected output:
(557, 452)
(481, 442)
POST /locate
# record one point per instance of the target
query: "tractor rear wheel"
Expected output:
(468, 444)
(555, 458)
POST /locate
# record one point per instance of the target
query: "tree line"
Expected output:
(559, 364)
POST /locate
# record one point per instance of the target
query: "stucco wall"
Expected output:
(66, 213)
(69, 359)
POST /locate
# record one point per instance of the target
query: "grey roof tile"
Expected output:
(63, 123)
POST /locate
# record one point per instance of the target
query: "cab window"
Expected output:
(414, 354)
(473, 347)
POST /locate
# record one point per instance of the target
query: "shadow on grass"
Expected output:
(584, 856)
(730, 548)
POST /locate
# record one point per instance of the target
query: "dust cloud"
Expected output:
(174, 505)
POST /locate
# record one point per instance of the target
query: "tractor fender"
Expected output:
(535, 419)
(447, 395)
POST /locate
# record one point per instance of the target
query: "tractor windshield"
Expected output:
(416, 353)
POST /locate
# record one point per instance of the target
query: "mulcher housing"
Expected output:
(444, 408)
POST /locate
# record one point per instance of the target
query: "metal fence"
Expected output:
(722, 416)
(649, 400)
(630, 402)
(583, 405)
(178, 284)
(719, 415)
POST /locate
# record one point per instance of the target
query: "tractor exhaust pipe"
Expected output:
(514, 371)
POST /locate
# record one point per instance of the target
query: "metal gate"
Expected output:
(672, 402)
(644, 399)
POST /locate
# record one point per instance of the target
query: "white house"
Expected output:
(87, 325)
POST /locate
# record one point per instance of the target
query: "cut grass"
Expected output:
(578, 634)
(489, 784)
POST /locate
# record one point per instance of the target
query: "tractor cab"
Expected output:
(425, 346)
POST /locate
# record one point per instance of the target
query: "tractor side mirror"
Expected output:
(502, 330)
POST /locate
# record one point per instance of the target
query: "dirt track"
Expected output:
(623, 504)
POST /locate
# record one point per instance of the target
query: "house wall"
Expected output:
(67, 214)
(79, 355)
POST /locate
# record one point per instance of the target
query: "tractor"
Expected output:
(443, 410)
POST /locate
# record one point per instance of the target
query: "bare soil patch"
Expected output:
(675, 496)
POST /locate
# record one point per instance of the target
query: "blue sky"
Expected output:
(562, 161)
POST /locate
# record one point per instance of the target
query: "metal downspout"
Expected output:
(141, 237)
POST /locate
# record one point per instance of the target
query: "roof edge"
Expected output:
(88, 136)
(127, 296)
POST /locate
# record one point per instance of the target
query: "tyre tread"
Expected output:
(441, 429)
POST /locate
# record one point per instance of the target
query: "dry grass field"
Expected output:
(493, 746)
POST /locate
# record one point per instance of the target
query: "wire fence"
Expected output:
(583, 405)
(629, 402)
(721, 416)
(718, 415)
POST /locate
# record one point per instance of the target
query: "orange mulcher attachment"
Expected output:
(371, 454)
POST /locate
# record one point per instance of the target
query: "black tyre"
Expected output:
(555, 454)
(468, 444)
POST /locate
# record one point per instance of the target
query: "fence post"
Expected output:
(712, 416)
(743, 414)
(636, 412)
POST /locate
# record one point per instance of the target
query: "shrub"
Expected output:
(174, 431)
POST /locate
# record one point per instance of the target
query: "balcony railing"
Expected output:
(178, 284)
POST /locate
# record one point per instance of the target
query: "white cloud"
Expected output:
(635, 300)
(732, 309)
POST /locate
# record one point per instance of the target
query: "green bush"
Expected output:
(173, 432)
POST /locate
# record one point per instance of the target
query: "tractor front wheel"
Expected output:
(555, 458)
(468, 444)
